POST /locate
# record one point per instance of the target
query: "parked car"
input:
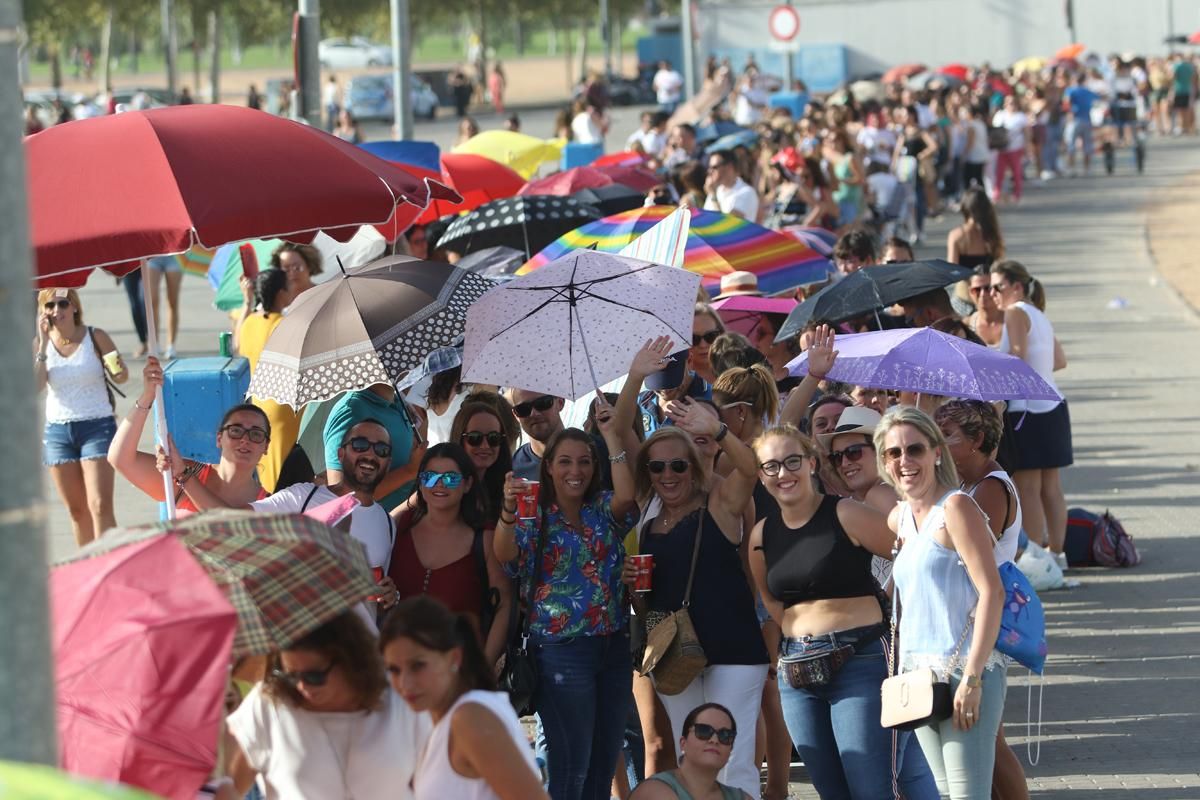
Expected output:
(140, 98)
(42, 101)
(370, 97)
(356, 52)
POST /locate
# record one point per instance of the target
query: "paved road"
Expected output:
(1121, 703)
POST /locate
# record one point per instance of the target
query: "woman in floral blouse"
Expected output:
(579, 623)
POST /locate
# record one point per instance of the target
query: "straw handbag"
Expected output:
(674, 656)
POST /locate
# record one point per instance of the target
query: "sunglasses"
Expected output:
(677, 465)
(978, 290)
(913, 451)
(717, 166)
(53, 304)
(543, 403)
(997, 287)
(309, 677)
(707, 338)
(451, 480)
(476, 438)
(793, 463)
(705, 732)
(361, 444)
(256, 435)
(852, 453)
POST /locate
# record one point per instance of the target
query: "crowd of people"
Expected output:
(792, 517)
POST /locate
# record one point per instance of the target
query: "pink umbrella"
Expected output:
(741, 313)
(567, 182)
(142, 638)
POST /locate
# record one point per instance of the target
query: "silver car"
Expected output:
(349, 53)
(370, 97)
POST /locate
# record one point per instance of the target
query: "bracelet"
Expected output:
(619, 458)
(973, 681)
(721, 432)
(510, 521)
(40, 358)
(141, 407)
(184, 477)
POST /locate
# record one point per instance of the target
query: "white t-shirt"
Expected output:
(977, 153)
(653, 142)
(436, 778)
(1015, 123)
(330, 95)
(925, 117)
(586, 130)
(740, 198)
(668, 86)
(370, 525)
(308, 755)
(878, 143)
(747, 109)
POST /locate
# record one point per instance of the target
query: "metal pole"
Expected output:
(160, 408)
(310, 62)
(170, 44)
(789, 67)
(214, 43)
(1170, 26)
(606, 37)
(401, 71)
(27, 710)
(689, 53)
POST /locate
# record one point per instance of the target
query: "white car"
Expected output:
(356, 52)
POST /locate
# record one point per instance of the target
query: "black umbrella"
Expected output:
(871, 289)
(527, 223)
(494, 262)
(612, 199)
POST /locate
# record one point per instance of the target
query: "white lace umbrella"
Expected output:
(573, 325)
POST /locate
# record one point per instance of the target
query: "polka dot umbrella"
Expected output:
(527, 223)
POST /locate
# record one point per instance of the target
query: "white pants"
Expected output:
(739, 688)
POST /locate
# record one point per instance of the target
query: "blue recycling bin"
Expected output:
(196, 394)
(794, 102)
(580, 155)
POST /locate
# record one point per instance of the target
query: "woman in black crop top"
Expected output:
(811, 560)
(722, 604)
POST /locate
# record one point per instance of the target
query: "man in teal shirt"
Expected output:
(378, 402)
(1183, 94)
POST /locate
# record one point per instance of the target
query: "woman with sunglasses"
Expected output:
(579, 619)
(242, 436)
(477, 749)
(811, 561)
(709, 734)
(324, 722)
(479, 429)
(706, 327)
(444, 550)
(949, 599)
(73, 362)
(694, 508)
(987, 321)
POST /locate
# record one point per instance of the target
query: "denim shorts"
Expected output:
(165, 264)
(68, 442)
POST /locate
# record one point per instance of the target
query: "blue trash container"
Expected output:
(580, 155)
(196, 393)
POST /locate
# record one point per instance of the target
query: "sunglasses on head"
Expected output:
(543, 403)
(677, 465)
(852, 453)
(793, 463)
(476, 438)
(705, 732)
(309, 677)
(235, 431)
(53, 304)
(451, 480)
(707, 338)
(914, 451)
(361, 444)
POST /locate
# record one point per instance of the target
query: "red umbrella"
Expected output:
(633, 176)
(999, 85)
(1071, 51)
(568, 182)
(476, 179)
(625, 158)
(1194, 38)
(142, 639)
(113, 190)
(955, 70)
(903, 72)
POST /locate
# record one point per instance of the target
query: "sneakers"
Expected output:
(1061, 560)
(169, 353)
(1048, 175)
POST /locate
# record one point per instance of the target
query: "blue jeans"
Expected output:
(1054, 132)
(836, 729)
(585, 687)
(962, 761)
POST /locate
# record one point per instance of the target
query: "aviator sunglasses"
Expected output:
(677, 465)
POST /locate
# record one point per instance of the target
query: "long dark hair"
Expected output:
(444, 385)
(491, 494)
(978, 208)
(546, 496)
(428, 622)
(469, 509)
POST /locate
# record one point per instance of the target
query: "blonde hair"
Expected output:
(641, 471)
(944, 471)
(808, 447)
(1015, 272)
(754, 385)
(46, 295)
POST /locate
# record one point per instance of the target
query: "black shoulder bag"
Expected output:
(520, 675)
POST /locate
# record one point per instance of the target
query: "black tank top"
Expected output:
(722, 608)
(815, 562)
(972, 260)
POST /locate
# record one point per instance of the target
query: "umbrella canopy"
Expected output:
(1029, 64)
(741, 313)
(526, 223)
(1073, 51)
(899, 73)
(567, 182)
(623, 158)
(574, 325)
(494, 262)
(718, 128)
(717, 244)
(866, 91)
(743, 138)
(142, 639)
(204, 174)
(365, 326)
(819, 239)
(19, 781)
(409, 152)
(926, 80)
(520, 151)
(931, 362)
(611, 199)
(196, 260)
(871, 289)
(1194, 38)
(955, 70)
(285, 574)
(633, 176)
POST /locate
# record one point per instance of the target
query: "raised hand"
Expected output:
(821, 354)
(654, 356)
(698, 419)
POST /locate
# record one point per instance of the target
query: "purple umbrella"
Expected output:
(931, 362)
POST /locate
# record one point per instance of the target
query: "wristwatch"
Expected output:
(973, 681)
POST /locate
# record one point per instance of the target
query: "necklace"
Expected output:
(669, 521)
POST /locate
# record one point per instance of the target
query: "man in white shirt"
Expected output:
(331, 102)
(650, 138)
(668, 87)
(726, 191)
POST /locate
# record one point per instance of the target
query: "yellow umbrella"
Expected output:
(1030, 64)
(521, 152)
(38, 782)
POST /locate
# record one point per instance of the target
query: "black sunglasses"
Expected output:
(361, 444)
(705, 732)
(235, 431)
(852, 453)
(543, 403)
(57, 304)
(707, 338)
(476, 438)
(309, 677)
(913, 451)
(793, 463)
(677, 465)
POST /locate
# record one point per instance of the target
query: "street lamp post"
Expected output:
(401, 70)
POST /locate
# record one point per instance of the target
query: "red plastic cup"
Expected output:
(527, 502)
(645, 568)
(377, 574)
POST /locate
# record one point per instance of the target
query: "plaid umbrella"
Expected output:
(526, 223)
(285, 575)
(365, 326)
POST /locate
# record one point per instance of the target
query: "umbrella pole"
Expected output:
(160, 415)
(586, 355)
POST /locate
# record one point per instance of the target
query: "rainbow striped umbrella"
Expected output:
(717, 244)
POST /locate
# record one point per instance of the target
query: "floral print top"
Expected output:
(580, 592)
